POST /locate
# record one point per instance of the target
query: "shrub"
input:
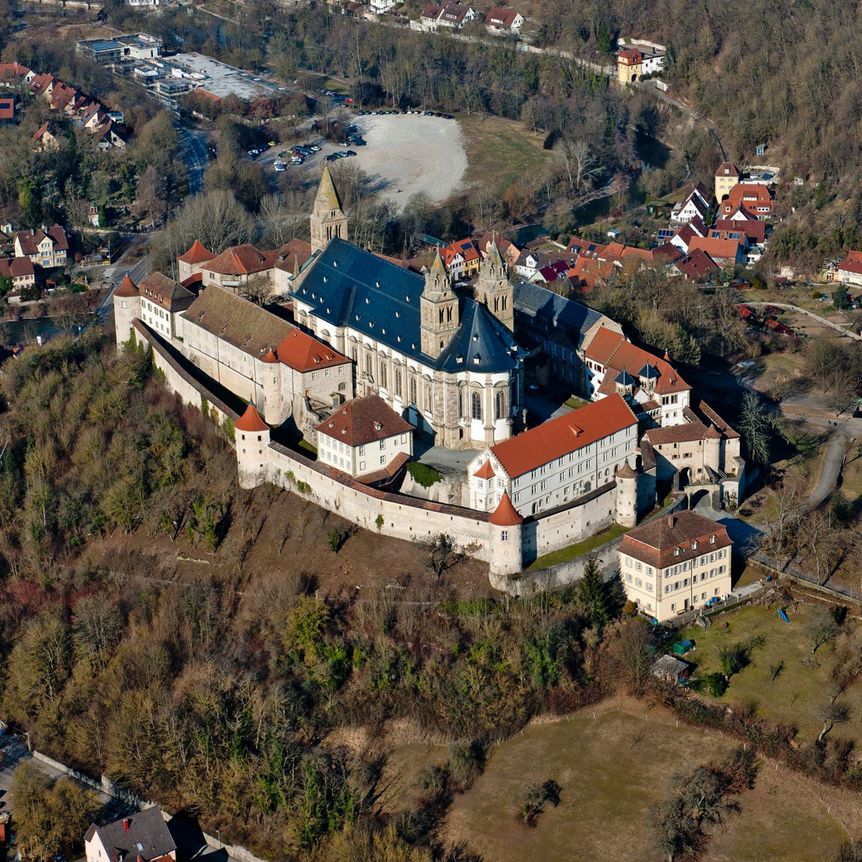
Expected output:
(535, 799)
(423, 474)
(714, 683)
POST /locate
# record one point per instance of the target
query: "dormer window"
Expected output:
(676, 552)
(694, 546)
(712, 539)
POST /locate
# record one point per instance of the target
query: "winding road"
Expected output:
(822, 320)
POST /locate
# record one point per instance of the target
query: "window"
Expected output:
(382, 459)
(382, 445)
(504, 535)
(476, 405)
(361, 450)
(412, 390)
(499, 404)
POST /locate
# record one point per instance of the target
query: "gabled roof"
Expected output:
(143, 834)
(13, 71)
(717, 249)
(567, 433)
(505, 515)
(657, 542)
(7, 107)
(347, 286)
(852, 262)
(697, 265)
(727, 169)
(197, 253)
(61, 243)
(753, 229)
(500, 17)
(250, 421)
(165, 292)
(17, 267)
(242, 259)
(304, 352)
(612, 350)
(363, 421)
(293, 255)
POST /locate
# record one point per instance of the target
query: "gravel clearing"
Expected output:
(409, 154)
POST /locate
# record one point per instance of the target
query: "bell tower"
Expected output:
(439, 309)
(493, 287)
(328, 220)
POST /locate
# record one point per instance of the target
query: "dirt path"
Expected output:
(821, 320)
(830, 469)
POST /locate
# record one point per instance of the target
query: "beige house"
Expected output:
(162, 299)
(45, 247)
(675, 563)
(365, 438)
(727, 175)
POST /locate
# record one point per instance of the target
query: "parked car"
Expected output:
(280, 166)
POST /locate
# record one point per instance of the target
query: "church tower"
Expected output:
(493, 287)
(439, 309)
(327, 217)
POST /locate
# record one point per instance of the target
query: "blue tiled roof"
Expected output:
(555, 311)
(347, 286)
(625, 379)
(649, 372)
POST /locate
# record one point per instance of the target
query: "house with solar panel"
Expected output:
(447, 361)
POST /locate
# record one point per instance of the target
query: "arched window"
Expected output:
(476, 405)
(500, 404)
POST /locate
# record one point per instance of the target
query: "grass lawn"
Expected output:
(308, 447)
(614, 762)
(500, 151)
(584, 547)
(801, 690)
(574, 402)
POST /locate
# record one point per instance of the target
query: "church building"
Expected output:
(445, 360)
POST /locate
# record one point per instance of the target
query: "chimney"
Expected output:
(127, 824)
(670, 520)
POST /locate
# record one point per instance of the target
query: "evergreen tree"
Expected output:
(592, 594)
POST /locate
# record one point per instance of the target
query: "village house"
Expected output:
(727, 175)
(461, 258)
(7, 109)
(556, 462)
(142, 836)
(47, 248)
(20, 271)
(380, 7)
(727, 252)
(849, 269)
(15, 75)
(508, 250)
(675, 563)
(453, 16)
(754, 198)
(695, 205)
(683, 237)
(365, 438)
(637, 59)
(697, 266)
(499, 20)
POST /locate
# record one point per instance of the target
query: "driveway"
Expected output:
(830, 470)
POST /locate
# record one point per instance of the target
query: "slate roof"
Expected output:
(362, 421)
(147, 836)
(347, 286)
(552, 311)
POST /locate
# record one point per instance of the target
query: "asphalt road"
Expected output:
(187, 835)
(195, 155)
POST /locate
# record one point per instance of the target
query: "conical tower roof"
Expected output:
(327, 195)
(250, 421)
(505, 515)
(437, 278)
(127, 288)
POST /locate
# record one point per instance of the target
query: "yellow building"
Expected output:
(675, 563)
(727, 175)
(629, 65)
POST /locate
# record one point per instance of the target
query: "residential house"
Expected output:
(45, 138)
(637, 59)
(235, 267)
(20, 270)
(753, 197)
(47, 248)
(728, 252)
(697, 266)
(849, 269)
(694, 206)
(508, 250)
(675, 563)
(142, 836)
(461, 258)
(365, 438)
(499, 20)
(556, 462)
(15, 75)
(7, 109)
(380, 7)
(727, 175)
(654, 389)
(449, 15)
(683, 237)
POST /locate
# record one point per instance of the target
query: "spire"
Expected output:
(127, 287)
(493, 287)
(327, 195)
(437, 282)
(505, 515)
(250, 421)
(493, 257)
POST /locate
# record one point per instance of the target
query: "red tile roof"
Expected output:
(17, 267)
(197, 253)
(505, 515)
(486, 471)
(250, 421)
(567, 433)
(852, 262)
(611, 349)
(753, 229)
(687, 533)
(303, 352)
(465, 247)
(499, 17)
(630, 56)
(727, 169)
(753, 196)
(127, 288)
(717, 249)
(241, 260)
(13, 71)
(697, 265)
(7, 107)
(363, 421)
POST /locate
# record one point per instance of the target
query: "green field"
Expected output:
(500, 151)
(613, 763)
(802, 689)
(577, 550)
